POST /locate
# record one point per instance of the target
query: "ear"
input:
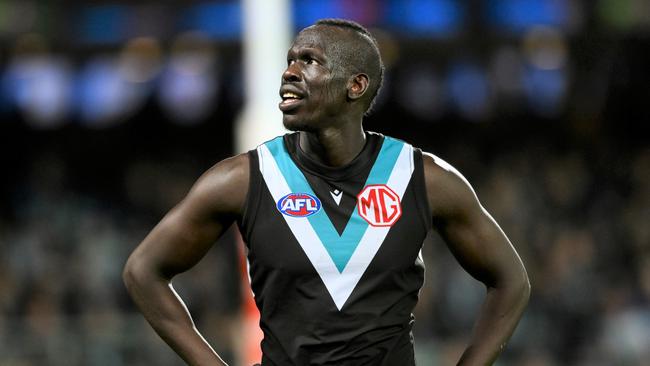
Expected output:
(357, 86)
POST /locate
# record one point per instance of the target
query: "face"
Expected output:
(313, 87)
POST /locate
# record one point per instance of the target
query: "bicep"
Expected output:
(472, 235)
(479, 245)
(179, 241)
(189, 230)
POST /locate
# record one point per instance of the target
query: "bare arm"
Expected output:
(176, 244)
(485, 252)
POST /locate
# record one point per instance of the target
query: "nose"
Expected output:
(291, 74)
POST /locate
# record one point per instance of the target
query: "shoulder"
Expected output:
(448, 191)
(223, 187)
(440, 171)
(235, 167)
(230, 174)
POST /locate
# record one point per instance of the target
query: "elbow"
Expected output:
(130, 273)
(526, 289)
(141, 271)
(134, 273)
(523, 287)
(518, 284)
(515, 286)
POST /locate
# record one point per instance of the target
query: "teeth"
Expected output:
(290, 95)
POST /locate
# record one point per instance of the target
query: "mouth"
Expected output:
(290, 101)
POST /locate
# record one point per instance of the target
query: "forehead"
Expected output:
(317, 37)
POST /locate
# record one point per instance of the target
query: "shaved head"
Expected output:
(354, 51)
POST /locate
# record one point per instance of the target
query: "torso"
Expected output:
(335, 281)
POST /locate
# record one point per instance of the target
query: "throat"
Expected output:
(332, 148)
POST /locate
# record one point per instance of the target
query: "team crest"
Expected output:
(379, 205)
(299, 204)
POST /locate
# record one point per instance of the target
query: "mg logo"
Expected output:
(379, 205)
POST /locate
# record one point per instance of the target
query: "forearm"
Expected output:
(169, 317)
(501, 311)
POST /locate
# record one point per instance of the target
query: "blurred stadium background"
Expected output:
(109, 110)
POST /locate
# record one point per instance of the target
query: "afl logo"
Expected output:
(299, 205)
(379, 205)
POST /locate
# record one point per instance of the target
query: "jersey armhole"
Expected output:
(252, 197)
(421, 198)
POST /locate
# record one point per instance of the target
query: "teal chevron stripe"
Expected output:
(339, 247)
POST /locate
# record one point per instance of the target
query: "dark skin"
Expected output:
(328, 113)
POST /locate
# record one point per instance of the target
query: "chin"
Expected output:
(293, 123)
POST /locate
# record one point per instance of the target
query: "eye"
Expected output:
(311, 61)
(290, 61)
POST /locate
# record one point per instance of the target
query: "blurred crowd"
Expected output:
(63, 301)
(581, 226)
(578, 216)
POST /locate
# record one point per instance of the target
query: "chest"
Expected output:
(338, 231)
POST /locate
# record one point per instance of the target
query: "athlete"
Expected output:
(333, 218)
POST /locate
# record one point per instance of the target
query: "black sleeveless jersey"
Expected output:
(335, 253)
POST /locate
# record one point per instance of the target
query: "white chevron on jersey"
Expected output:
(339, 284)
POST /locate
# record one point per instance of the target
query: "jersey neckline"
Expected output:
(358, 165)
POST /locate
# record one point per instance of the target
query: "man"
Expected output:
(333, 218)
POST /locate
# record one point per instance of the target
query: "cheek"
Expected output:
(336, 91)
(331, 87)
(327, 92)
(320, 90)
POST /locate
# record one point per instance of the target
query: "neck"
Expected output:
(334, 146)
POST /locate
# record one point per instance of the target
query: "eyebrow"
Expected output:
(308, 51)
